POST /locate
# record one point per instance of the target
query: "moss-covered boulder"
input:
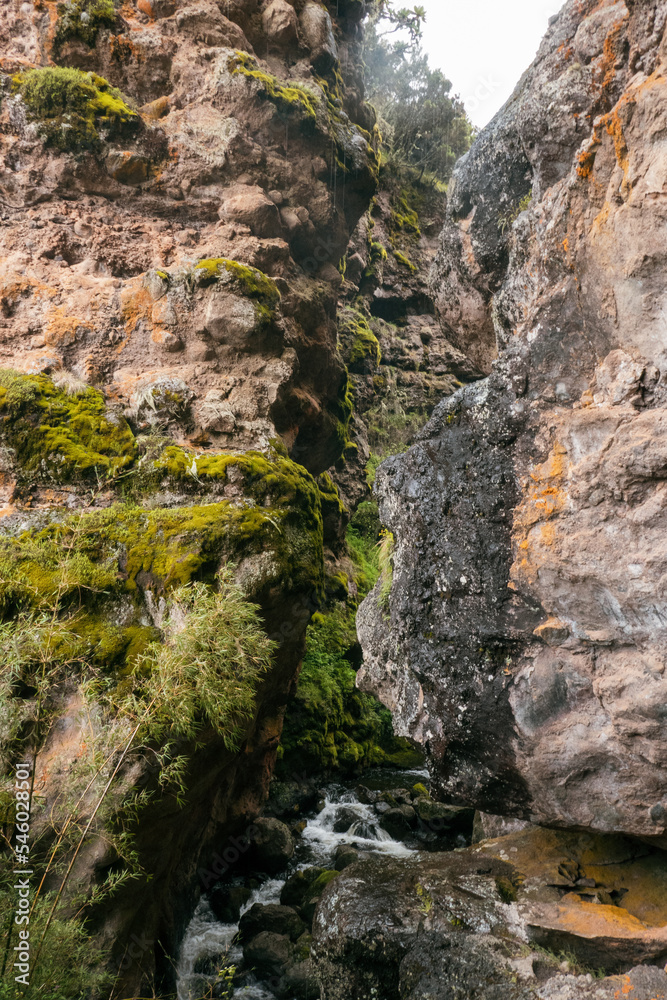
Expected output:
(73, 110)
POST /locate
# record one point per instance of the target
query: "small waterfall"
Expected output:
(208, 945)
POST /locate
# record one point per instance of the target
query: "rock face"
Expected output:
(160, 311)
(525, 639)
(100, 242)
(496, 921)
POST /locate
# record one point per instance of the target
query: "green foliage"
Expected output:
(68, 967)
(331, 725)
(83, 19)
(422, 123)
(62, 436)
(206, 673)
(74, 110)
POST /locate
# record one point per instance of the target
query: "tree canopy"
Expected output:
(424, 125)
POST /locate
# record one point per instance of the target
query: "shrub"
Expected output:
(207, 672)
(74, 110)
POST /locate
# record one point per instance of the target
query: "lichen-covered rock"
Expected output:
(524, 641)
(502, 919)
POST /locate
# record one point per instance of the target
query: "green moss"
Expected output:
(404, 215)
(249, 281)
(83, 19)
(506, 890)
(402, 259)
(322, 881)
(292, 97)
(358, 342)
(58, 436)
(72, 108)
(420, 790)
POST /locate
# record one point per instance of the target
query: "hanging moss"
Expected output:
(359, 345)
(60, 436)
(74, 110)
(83, 19)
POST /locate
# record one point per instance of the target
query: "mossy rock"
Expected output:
(59, 436)
(125, 549)
(73, 110)
(290, 98)
(359, 345)
(82, 19)
(248, 281)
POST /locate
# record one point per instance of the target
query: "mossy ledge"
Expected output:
(73, 110)
(59, 436)
(359, 345)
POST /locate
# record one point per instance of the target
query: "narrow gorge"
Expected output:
(333, 521)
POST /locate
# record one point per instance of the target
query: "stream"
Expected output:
(206, 940)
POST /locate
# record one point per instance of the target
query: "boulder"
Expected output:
(226, 902)
(344, 857)
(250, 205)
(272, 845)
(279, 21)
(271, 917)
(299, 886)
(399, 822)
(317, 32)
(345, 818)
(461, 924)
(229, 319)
(268, 953)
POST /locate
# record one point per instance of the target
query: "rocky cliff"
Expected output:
(523, 643)
(178, 183)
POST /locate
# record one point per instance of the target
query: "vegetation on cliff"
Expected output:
(422, 123)
(74, 110)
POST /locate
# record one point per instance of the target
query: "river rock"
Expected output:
(226, 902)
(271, 917)
(525, 640)
(345, 818)
(399, 822)
(269, 953)
(465, 921)
(344, 857)
(299, 886)
(272, 845)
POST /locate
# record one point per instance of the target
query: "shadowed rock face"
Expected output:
(526, 639)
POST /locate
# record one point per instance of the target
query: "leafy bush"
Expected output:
(74, 110)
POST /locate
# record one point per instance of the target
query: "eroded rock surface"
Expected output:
(496, 920)
(526, 634)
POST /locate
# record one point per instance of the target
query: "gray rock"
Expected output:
(268, 953)
(525, 647)
(272, 845)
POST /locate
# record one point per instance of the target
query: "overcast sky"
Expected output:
(484, 46)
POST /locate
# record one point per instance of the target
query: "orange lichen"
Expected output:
(61, 329)
(586, 162)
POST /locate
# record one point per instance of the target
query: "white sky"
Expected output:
(483, 46)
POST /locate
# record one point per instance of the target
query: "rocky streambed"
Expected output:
(250, 936)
